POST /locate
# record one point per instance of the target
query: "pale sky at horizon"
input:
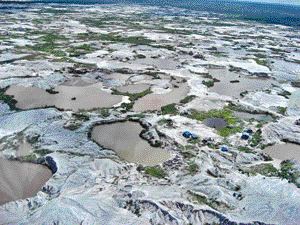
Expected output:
(290, 2)
(293, 2)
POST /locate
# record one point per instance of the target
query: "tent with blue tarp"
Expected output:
(188, 134)
(249, 131)
(245, 136)
(224, 148)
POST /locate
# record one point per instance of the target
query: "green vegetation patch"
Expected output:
(49, 44)
(28, 158)
(245, 149)
(82, 116)
(203, 200)
(288, 171)
(155, 171)
(95, 23)
(262, 62)
(167, 122)
(136, 96)
(188, 99)
(56, 11)
(39, 21)
(48, 48)
(193, 168)
(43, 152)
(194, 141)
(169, 109)
(281, 110)
(227, 131)
(244, 93)
(104, 112)
(259, 55)
(265, 169)
(89, 36)
(200, 199)
(136, 116)
(226, 114)
(165, 46)
(10, 35)
(175, 31)
(136, 40)
(285, 93)
(127, 106)
(188, 151)
(133, 96)
(219, 54)
(101, 22)
(51, 37)
(256, 138)
(8, 99)
(75, 51)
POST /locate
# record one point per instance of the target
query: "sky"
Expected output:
(292, 2)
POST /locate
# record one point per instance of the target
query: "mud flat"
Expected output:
(160, 63)
(133, 88)
(64, 97)
(124, 139)
(20, 180)
(156, 101)
(284, 151)
(78, 82)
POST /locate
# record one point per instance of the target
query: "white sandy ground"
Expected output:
(92, 184)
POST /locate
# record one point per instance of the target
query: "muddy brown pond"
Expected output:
(226, 86)
(156, 101)
(124, 139)
(20, 180)
(64, 97)
(284, 151)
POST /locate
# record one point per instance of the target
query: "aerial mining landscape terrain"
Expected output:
(119, 114)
